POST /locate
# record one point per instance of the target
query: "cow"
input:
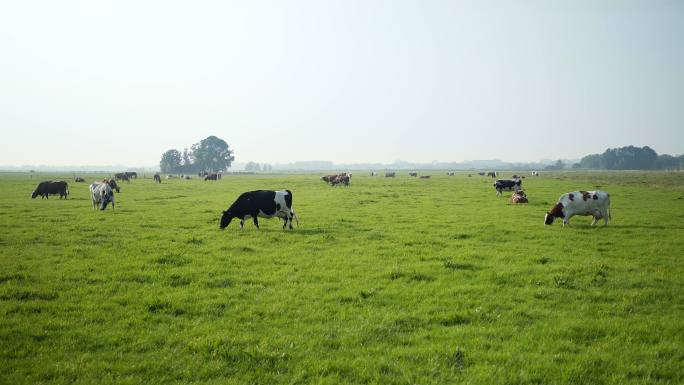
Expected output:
(390, 174)
(329, 178)
(212, 176)
(535, 173)
(515, 176)
(112, 184)
(188, 177)
(492, 174)
(594, 203)
(47, 188)
(507, 184)
(157, 178)
(373, 173)
(121, 176)
(79, 179)
(260, 203)
(425, 177)
(101, 195)
(481, 173)
(519, 197)
(131, 174)
(451, 173)
(413, 173)
(340, 179)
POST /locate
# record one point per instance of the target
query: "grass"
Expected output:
(389, 281)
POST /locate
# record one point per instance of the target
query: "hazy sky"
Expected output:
(119, 82)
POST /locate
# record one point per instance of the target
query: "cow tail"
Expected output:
(294, 214)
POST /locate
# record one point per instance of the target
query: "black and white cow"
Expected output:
(157, 178)
(594, 203)
(507, 184)
(101, 194)
(47, 188)
(261, 203)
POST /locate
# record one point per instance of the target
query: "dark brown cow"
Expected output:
(47, 188)
(212, 176)
(413, 173)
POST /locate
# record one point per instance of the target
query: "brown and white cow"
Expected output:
(594, 203)
(519, 197)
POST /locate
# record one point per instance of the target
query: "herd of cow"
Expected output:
(278, 203)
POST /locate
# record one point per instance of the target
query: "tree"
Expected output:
(556, 166)
(188, 164)
(212, 154)
(252, 166)
(266, 167)
(170, 161)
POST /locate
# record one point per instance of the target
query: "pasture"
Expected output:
(388, 281)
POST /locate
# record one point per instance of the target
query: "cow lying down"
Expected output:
(261, 203)
(594, 203)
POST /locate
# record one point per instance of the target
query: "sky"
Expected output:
(120, 82)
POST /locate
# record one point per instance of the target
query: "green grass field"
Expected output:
(389, 281)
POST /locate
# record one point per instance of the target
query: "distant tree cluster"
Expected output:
(631, 158)
(210, 154)
(253, 166)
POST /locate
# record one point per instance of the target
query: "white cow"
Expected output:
(594, 203)
(102, 194)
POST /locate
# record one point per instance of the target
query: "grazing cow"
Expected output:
(451, 173)
(535, 173)
(413, 173)
(515, 176)
(594, 203)
(212, 176)
(188, 177)
(329, 178)
(101, 194)
(492, 174)
(131, 174)
(390, 174)
(340, 179)
(261, 203)
(373, 173)
(157, 178)
(519, 197)
(112, 184)
(47, 188)
(481, 173)
(79, 179)
(121, 176)
(507, 184)
(425, 177)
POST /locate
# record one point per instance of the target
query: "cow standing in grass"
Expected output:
(47, 188)
(594, 203)
(260, 203)
(157, 178)
(101, 195)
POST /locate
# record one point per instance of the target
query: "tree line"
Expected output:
(631, 158)
(210, 154)
(254, 166)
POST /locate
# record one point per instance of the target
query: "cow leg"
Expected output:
(566, 221)
(291, 215)
(256, 221)
(242, 223)
(594, 220)
(284, 222)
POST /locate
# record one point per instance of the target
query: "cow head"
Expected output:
(34, 194)
(555, 212)
(226, 218)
